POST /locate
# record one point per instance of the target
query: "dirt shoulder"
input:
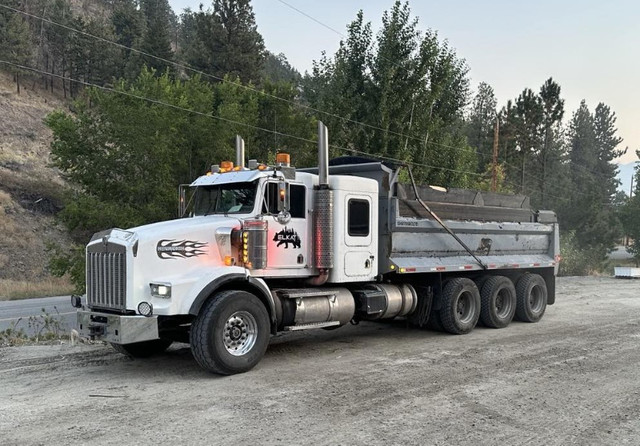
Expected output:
(570, 379)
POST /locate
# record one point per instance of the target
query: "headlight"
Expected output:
(161, 290)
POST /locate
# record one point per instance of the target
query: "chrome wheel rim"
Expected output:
(240, 333)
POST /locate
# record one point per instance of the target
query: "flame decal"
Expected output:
(184, 249)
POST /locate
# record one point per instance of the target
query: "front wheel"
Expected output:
(231, 333)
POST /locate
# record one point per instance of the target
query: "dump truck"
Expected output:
(266, 249)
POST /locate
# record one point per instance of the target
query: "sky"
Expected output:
(590, 48)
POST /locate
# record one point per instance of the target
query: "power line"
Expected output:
(230, 121)
(297, 104)
(151, 100)
(239, 84)
(313, 18)
(310, 17)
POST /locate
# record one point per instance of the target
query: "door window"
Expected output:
(358, 218)
(297, 200)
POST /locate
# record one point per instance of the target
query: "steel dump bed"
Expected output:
(502, 231)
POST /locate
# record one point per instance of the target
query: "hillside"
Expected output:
(29, 188)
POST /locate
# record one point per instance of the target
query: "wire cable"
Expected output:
(238, 84)
(231, 121)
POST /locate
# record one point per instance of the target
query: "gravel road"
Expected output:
(573, 378)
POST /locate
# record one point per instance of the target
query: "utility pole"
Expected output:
(627, 240)
(494, 173)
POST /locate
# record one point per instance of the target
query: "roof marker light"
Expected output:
(283, 159)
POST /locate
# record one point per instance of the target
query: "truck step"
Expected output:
(312, 326)
(294, 293)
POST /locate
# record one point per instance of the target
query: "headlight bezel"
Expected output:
(161, 290)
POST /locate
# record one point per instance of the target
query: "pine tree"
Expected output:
(589, 210)
(15, 43)
(606, 147)
(528, 122)
(481, 123)
(277, 68)
(407, 88)
(156, 39)
(548, 168)
(224, 41)
(129, 28)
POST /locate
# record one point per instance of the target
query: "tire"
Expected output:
(531, 292)
(498, 302)
(460, 306)
(231, 333)
(143, 349)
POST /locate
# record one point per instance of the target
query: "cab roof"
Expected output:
(239, 176)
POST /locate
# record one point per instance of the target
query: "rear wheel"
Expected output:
(498, 299)
(143, 349)
(231, 333)
(460, 306)
(531, 291)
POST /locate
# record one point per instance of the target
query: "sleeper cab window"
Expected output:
(297, 200)
(358, 218)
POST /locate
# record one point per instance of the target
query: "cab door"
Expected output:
(287, 245)
(360, 249)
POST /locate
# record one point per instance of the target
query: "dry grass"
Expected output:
(17, 289)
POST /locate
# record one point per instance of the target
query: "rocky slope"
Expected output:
(29, 187)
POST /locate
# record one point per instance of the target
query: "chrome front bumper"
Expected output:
(117, 329)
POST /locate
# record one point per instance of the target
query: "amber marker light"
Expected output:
(229, 261)
(283, 159)
(226, 166)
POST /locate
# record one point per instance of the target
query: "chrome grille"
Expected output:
(107, 278)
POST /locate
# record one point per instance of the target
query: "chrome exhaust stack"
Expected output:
(323, 155)
(323, 211)
(239, 151)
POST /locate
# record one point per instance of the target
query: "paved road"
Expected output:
(18, 312)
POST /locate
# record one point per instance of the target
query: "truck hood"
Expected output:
(188, 241)
(185, 227)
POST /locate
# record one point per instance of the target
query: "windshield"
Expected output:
(231, 198)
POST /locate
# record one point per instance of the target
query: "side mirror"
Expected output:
(283, 196)
(184, 201)
(284, 216)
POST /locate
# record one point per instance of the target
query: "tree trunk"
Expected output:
(53, 70)
(64, 83)
(524, 157)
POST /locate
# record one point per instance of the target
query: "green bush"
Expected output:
(577, 261)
